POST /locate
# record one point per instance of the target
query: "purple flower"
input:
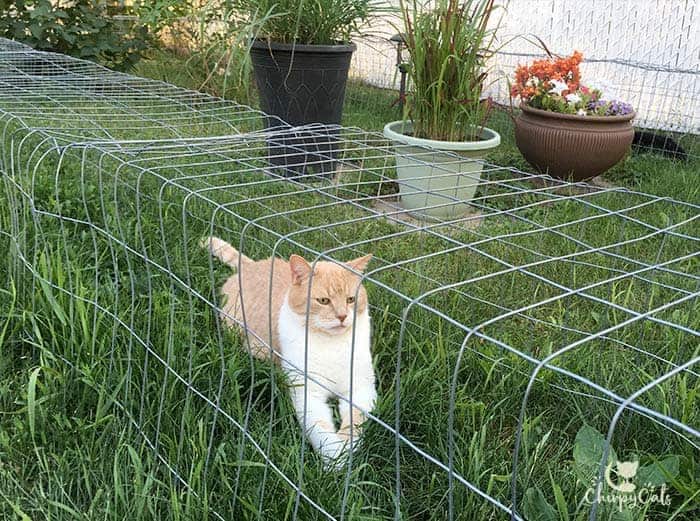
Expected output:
(618, 108)
(609, 108)
(595, 106)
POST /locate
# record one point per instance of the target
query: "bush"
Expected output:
(85, 29)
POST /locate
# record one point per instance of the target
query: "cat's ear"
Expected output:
(360, 263)
(300, 268)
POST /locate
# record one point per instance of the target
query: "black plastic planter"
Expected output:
(302, 84)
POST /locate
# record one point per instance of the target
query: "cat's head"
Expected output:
(335, 300)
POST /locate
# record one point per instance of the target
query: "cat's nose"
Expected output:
(342, 318)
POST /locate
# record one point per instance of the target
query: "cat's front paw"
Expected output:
(351, 441)
(334, 452)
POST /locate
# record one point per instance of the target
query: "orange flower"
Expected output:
(543, 72)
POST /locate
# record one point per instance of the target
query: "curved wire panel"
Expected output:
(521, 344)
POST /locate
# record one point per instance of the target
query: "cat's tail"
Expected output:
(224, 251)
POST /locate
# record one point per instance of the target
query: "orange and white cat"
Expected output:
(338, 331)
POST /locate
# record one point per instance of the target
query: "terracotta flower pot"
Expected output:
(568, 146)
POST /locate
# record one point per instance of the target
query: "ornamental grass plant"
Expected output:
(449, 43)
(316, 22)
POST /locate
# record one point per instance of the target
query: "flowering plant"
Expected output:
(555, 85)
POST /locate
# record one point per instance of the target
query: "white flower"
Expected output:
(573, 98)
(558, 87)
(581, 112)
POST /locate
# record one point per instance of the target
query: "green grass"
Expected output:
(76, 379)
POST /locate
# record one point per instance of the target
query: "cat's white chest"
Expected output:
(326, 358)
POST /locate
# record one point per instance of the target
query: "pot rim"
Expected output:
(393, 132)
(575, 117)
(302, 47)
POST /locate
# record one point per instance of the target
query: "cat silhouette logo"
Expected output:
(625, 470)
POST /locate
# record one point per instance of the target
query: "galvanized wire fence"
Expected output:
(645, 53)
(539, 308)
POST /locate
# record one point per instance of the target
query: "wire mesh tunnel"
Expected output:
(499, 335)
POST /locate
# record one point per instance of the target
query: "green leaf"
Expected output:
(55, 307)
(536, 507)
(560, 501)
(43, 9)
(588, 451)
(36, 30)
(31, 400)
(659, 472)
(68, 37)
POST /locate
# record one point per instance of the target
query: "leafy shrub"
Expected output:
(85, 29)
(158, 15)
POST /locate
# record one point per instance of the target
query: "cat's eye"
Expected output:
(325, 301)
(351, 300)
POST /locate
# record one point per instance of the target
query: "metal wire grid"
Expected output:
(74, 100)
(528, 278)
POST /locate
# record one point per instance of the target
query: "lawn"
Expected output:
(122, 398)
